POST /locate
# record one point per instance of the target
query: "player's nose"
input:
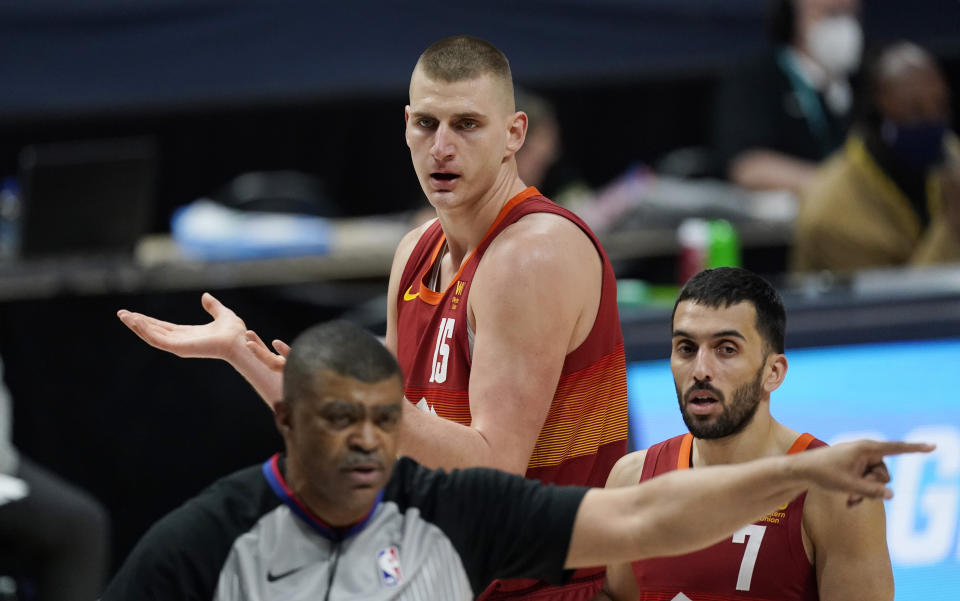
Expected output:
(443, 147)
(703, 365)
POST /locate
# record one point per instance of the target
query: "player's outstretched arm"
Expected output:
(686, 510)
(223, 338)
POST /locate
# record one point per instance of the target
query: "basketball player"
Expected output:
(727, 357)
(501, 312)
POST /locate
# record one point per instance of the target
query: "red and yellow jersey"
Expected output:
(763, 561)
(585, 430)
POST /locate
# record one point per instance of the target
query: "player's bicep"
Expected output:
(850, 549)
(524, 323)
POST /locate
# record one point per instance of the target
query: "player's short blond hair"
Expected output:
(464, 57)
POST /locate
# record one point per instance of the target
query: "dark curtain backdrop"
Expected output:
(59, 55)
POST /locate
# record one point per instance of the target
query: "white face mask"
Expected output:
(836, 43)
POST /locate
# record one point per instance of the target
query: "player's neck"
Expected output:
(465, 225)
(762, 437)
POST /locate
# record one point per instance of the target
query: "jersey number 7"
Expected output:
(751, 534)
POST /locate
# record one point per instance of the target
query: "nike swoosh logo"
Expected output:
(274, 577)
(409, 297)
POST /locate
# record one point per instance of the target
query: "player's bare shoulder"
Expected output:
(551, 244)
(627, 470)
(547, 264)
(409, 242)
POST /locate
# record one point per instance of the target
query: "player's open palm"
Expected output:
(218, 339)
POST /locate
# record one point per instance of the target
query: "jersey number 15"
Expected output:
(441, 352)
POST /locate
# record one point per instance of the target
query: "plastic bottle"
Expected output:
(693, 237)
(724, 246)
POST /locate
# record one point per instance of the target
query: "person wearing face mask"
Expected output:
(892, 196)
(777, 118)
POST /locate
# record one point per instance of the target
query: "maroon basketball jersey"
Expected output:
(762, 561)
(586, 427)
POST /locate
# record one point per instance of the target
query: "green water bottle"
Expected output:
(723, 249)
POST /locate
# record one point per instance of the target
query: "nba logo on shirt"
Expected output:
(388, 560)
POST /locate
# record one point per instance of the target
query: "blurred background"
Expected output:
(153, 150)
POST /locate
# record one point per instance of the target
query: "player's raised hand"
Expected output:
(855, 468)
(274, 361)
(221, 338)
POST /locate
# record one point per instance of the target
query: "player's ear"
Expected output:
(776, 371)
(516, 133)
(406, 123)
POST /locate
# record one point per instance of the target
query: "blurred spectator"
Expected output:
(775, 119)
(540, 161)
(892, 197)
(52, 535)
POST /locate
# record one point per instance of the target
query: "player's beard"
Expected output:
(734, 417)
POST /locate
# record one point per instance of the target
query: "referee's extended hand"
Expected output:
(855, 468)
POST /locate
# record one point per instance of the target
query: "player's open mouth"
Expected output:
(701, 402)
(445, 177)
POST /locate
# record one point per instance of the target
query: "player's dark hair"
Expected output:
(463, 57)
(726, 286)
(781, 22)
(338, 346)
